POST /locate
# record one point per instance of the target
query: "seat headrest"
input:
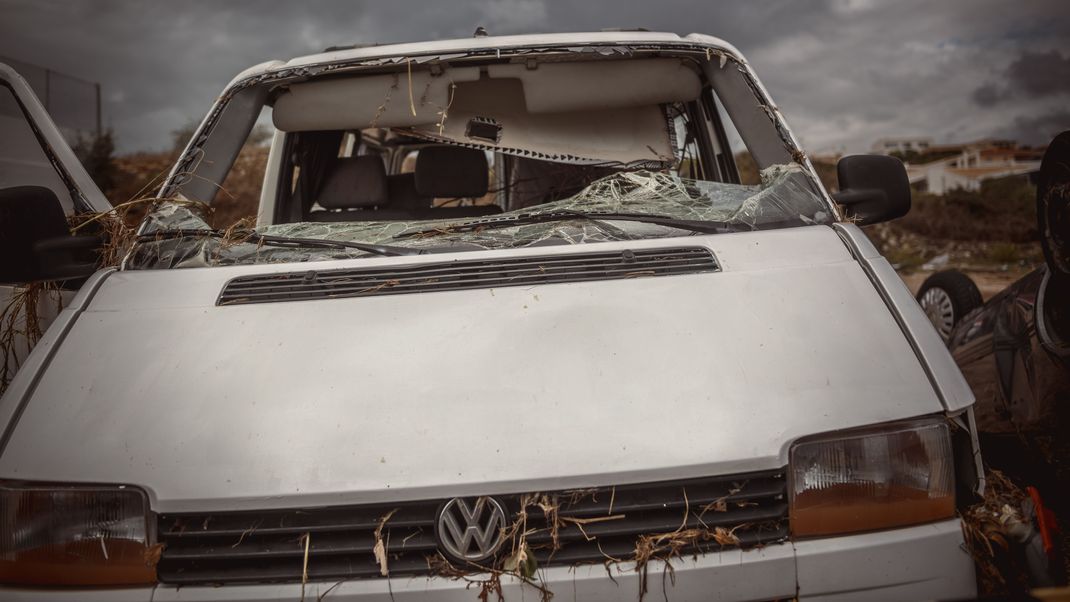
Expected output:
(403, 195)
(451, 172)
(355, 182)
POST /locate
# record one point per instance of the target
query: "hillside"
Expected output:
(140, 176)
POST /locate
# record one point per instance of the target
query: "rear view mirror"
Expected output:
(35, 242)
(873, 188)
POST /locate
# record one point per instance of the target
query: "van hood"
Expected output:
(468, 392)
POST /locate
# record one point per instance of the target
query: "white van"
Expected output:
(516, 319)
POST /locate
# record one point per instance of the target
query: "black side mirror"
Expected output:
(35, 242)
(873, 188)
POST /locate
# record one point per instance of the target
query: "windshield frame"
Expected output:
(211, 151)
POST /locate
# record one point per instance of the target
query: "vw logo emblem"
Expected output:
(470, 529)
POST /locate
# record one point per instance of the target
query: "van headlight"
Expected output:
(892, 475)
(74, 535)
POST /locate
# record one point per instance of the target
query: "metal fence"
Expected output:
(73, 103)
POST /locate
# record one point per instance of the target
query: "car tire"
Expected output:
(946, 297)
(1053, 204)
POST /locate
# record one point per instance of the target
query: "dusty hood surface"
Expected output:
(478, 391)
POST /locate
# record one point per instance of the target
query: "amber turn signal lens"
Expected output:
(892, 476)
(60, 535)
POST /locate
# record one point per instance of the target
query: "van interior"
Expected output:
(444, 142)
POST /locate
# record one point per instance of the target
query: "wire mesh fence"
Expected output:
(73, 103)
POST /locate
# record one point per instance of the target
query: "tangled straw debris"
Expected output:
(20, 325)
(490, 584)
(304, 568)
(989, 528)
(520, 561)
(152, 554)
(380, 546)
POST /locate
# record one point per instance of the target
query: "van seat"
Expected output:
(452, 172)
(357, 190)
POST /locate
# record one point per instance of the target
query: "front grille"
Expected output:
(269, 546)
(464, 275)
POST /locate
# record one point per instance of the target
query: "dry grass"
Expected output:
(20, 325)
(306, 539)
(153, 554)
(985, 528)
(239, 197)
(487, 579)
(907, 250)
(380, 549)
(520, 562)
(141, 175)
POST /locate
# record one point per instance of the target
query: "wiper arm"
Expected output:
(287, 242)
(708, 227)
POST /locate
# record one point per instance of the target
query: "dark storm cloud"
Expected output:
(1033, 74)
(1037, 129)
(844, 71)
(988, 95)
(1041, 73)
(162, 64)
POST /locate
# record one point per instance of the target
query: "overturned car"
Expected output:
(512, 318)
(1014, 351)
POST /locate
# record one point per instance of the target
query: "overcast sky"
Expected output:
(845, 72)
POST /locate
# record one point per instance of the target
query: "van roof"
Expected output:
(489, 44)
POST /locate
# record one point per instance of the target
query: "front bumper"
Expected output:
(928, 562)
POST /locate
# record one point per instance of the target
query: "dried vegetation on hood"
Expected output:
(542, 521)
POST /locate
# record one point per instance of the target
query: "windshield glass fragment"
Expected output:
(785, 197)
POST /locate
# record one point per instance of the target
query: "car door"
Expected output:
(42, 184)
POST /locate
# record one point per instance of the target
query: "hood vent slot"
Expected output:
(464, 275)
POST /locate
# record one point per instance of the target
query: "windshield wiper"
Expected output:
(706, 227)
(299, 243)
(287, 242)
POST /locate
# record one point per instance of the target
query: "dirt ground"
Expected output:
(989, 281)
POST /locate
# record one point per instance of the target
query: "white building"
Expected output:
(887, 146)
(973, 164)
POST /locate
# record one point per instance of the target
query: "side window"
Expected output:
(350, 144)
(688, 149)
(408, 162)
(728, 138)
(708, 147)
(23, 162)
(239, 197)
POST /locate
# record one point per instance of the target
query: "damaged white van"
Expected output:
(515, 319)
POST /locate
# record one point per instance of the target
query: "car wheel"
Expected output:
(946, 297)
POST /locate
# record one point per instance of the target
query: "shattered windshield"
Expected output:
(785, 197)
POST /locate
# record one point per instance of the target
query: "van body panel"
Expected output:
(419, 396)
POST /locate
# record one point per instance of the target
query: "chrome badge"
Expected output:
(470, 529)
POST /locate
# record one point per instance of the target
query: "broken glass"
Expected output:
(785, 197)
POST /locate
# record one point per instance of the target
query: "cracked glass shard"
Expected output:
(785, 197)
(173, 215)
